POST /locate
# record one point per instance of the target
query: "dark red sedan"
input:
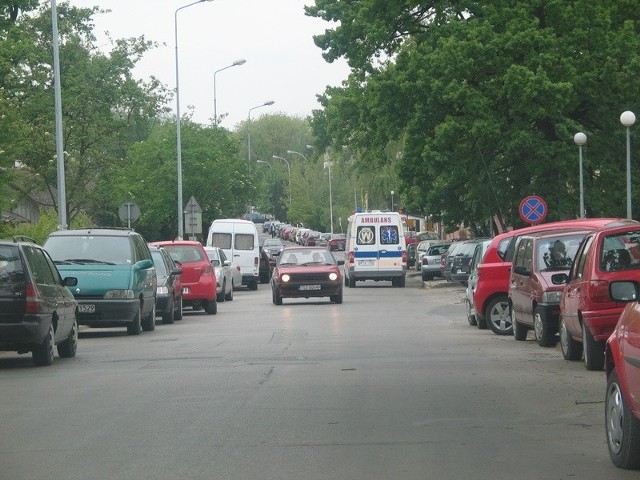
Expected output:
(305, 272)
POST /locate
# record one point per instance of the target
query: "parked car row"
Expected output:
(579, 281)
(108, 277)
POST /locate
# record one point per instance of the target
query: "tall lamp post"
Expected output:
(57, 95)
(327, 164)
(265, 104)
(178, 139)
(237, 63)
(292, 152)
(580, 139)
(266, 163)
(289, 169)
(627, 119)
(392, 192)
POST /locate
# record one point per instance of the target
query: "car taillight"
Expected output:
(352, 257)
(425, 261)
(33, 304)
(256, 261)
(209, 270)
(598, 291)
(405, 256)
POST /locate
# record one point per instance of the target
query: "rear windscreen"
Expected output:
(185, 253)
(221, 240)
(10, 267)
(244, 241)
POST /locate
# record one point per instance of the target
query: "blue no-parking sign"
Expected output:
(533, 209)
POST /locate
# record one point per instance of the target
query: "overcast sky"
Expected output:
(274, 36)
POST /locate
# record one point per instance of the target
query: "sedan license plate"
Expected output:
(86, 308)
(185, 290)
(366, 263)
(309, 287)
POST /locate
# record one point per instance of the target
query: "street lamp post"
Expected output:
(289, 169)
(580, 139)
(178, 139)
(392, 192)
(242, 61)
(266, 163)
(627, 119)
(327, 164)
(290, 152)
(265, 104)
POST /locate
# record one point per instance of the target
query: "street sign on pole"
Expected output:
(129, 212)
(192, 218)
(533, 209)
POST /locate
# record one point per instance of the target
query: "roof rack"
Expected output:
(23, 238)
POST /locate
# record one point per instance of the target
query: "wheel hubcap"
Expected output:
(537, 326)
(500, 316)
(564, 337)
(614, 418)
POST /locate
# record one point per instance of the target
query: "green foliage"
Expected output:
(47, 223)
(484, 99)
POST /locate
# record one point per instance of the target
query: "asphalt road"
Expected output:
(392, 384)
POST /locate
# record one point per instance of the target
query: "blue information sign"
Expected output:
(533, 209)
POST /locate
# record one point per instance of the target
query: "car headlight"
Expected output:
(162, 290)
(552, 297)
(119, 294)
(333, 276)
(285, 278)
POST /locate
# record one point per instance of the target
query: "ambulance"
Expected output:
(376, 248)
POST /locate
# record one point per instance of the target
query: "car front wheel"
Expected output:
(621, 426)
(471, 318)
(571, 349)
(149, 322)
(545, 335)
(135, 327)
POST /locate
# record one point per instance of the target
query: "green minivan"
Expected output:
(115, 272)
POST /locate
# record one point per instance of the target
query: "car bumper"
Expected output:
(162, 304)
(601, 323)
(198, 291)
(297, 290)
(251, 278)
(377, 275)
(31, 330)
(108, 312)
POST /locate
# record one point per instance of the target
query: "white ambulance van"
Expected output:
(239, 241)
(376, 248)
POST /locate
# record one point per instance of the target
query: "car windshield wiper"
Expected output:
(84, 261)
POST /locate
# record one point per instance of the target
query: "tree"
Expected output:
(485, 98)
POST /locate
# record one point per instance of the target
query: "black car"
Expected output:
(169, 289)
(459, 267)
(37, 310)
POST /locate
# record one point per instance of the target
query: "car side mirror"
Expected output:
(70, 281)
(623, 291)
(559, 278)
(226, 263)
(176, 271)
(521, 270)
(146, 263)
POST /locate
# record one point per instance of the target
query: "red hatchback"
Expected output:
(588, 313)
(304, 272)
(198, 275)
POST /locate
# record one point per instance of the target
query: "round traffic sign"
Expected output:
(533, 209)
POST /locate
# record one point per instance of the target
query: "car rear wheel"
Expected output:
(212, 307)
(149, 322)
(498, 317)
(135, 327)
(178, 314)
(43, 354)
(69, 347)
(593, 350)
(169, 316)
(621, 426)
(352, 282)
(545, 334)
(253, 286)
(571, 349)
(471, 318)
(229, 296)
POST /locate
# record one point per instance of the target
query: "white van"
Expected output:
(239, 240)
(376, 248)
